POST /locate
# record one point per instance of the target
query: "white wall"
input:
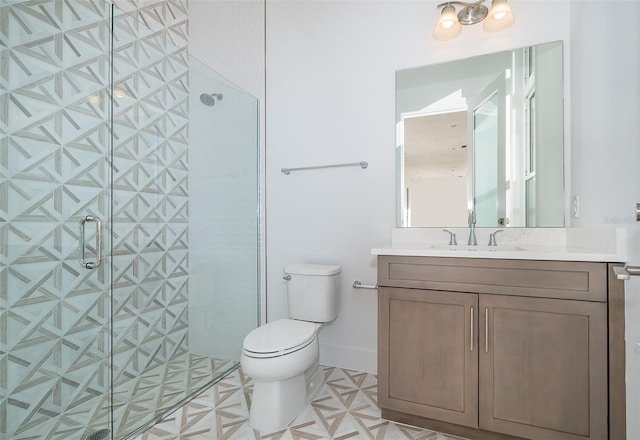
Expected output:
(228, 36)
(605, 126)
(331, 98)
(330, 70)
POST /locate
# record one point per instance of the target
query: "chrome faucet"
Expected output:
(472, 229)
(492, 238)
(452, 237)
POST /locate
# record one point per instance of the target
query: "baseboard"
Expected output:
(350, 358)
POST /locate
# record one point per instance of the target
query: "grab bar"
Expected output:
(362, 164)
(358, 285)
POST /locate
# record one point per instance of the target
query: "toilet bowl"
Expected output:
(282, 356)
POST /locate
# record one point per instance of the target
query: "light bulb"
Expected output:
(500, 17)
(448, 26)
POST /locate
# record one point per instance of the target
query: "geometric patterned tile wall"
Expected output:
(55, 168)
(150, 186)
(54, 315)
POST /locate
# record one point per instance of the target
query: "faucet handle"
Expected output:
(452, 238)
(492, 238)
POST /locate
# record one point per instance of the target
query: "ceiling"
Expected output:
(435, 145)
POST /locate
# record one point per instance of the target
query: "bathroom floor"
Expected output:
(344, 409)
(149, 394)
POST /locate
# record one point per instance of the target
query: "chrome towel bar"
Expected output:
(358, 285)
(363, 165)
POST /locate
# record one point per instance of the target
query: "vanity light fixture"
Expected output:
(498, 18)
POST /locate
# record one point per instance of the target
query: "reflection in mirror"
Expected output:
(483, 134)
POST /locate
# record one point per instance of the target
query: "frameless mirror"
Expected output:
(483, 134)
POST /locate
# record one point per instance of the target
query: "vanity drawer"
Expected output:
(585, 281)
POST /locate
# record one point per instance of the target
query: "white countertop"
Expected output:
(603, 245)
(563, 253)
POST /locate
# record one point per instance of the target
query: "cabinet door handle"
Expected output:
(471, 343)
(486, 330)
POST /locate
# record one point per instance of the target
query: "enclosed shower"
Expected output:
(128, 218)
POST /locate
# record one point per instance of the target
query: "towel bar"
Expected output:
(358, 285)
(362, 164)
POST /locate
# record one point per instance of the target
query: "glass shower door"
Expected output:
(184, 226)
(111, 146)
(54, 193)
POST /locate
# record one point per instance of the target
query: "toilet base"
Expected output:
(314, 379)
(276, 404)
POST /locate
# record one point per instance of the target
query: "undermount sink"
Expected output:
(467, 248)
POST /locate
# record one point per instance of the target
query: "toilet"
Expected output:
(282, 356)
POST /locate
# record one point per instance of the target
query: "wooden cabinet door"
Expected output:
(543, 367)
(428, 354)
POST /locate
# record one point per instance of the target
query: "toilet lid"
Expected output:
(279, 337)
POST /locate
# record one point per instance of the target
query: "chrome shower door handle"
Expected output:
(82, 227)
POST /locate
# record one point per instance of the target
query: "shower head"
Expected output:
(210, 99)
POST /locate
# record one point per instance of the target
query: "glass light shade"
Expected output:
(499, 18)
(448, 26)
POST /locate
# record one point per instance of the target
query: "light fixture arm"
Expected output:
(479, 2)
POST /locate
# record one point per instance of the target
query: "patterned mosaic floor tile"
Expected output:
(345, 408)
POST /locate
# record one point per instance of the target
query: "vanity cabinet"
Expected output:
(490, 348)
(429, 354)
(543, 367)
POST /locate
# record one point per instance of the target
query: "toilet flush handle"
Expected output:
(287, 277)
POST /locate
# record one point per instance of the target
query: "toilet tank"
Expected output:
(312, 291)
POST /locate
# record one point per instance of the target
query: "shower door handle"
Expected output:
(83, 262)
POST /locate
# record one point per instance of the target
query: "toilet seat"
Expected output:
(279, 338)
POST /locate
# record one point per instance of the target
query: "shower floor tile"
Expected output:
(153, 393)
(344, 409)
